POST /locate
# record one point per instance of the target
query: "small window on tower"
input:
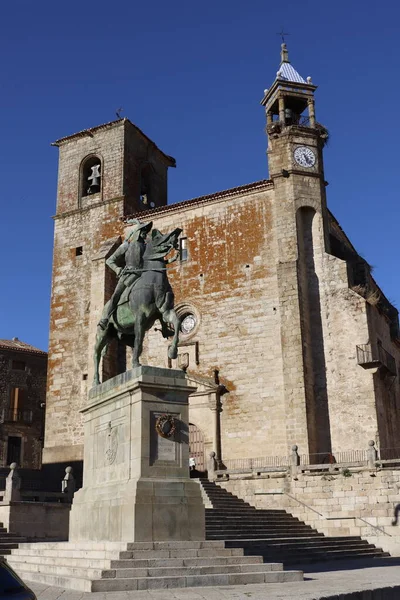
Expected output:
(183, 253)
(79, 251)
(18, 365)
(91, 176)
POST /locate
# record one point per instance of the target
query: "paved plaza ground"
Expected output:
(351, 580)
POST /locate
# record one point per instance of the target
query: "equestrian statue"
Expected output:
(143, 293)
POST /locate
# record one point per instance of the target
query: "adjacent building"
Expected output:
(285, 333)
(23, 371)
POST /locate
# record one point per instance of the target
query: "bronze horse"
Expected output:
(150, 298)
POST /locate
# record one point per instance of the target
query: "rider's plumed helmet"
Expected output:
(133, 235)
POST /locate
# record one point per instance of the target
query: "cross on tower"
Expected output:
(282, 33)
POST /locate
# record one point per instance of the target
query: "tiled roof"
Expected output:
(288, 73)
(237, 191)
(92, 130)
(86, 132)
(16, 344)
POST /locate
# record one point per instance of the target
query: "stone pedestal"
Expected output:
(136, 484)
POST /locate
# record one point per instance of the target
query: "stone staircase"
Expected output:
(275, 534)
(9, 541)
(120, 566)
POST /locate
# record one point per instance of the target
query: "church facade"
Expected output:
(285, 334)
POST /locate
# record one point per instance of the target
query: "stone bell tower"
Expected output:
(105, 173)
(295, 144)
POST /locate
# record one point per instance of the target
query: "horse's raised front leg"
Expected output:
(102, 340)
(171, 318)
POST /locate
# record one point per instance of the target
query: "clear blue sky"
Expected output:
(191, 75)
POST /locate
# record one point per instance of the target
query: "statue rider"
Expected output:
(131, 252)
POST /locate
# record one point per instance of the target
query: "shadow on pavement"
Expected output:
(346, 565)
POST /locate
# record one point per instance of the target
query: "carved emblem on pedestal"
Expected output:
(112, 444)
(166, 426)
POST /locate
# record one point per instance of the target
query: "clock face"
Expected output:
(188, 324)
(304, 156)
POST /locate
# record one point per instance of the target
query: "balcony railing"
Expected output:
(9, 415)
(334, 463)
(370, 357)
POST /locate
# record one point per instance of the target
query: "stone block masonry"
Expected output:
(83, 223)
(273, 283)
(364, 503)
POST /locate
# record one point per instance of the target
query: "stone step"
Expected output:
(122, 546)
(144, 583)
(221, 498)
(273, 527)
(87, 563)
(185, 571)
(59, 570)
(187, 562)
(302, 558)
(134, 573)
(219, 579)
(269, 551)
(277, 535)
(90, 563)
(129, 554)
(247, 511)
(255, 532)
(228, 516)
(219, 502)
(309, 545)
(254, 535)
(308, 539)
(300, 553)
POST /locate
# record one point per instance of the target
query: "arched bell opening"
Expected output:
(91, 176)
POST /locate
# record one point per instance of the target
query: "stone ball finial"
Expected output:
(13, 466)
(295, 448)
(266, 90)
(309, 80)
(371, 443)
(68, 470)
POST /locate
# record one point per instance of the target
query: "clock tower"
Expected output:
(295, 146)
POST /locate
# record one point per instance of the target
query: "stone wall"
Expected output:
(363, 503)
(82, 225)
(36, 520)
(275, 313)
(69, 319)
(230, 282)
(27, 420)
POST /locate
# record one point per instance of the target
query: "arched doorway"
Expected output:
(196, 447)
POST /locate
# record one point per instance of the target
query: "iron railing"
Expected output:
(328, 461)
(330, 458)
(370, 357)
(252, 464)
(387, 360)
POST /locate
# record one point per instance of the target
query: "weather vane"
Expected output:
(282, 34)
(119, 111)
